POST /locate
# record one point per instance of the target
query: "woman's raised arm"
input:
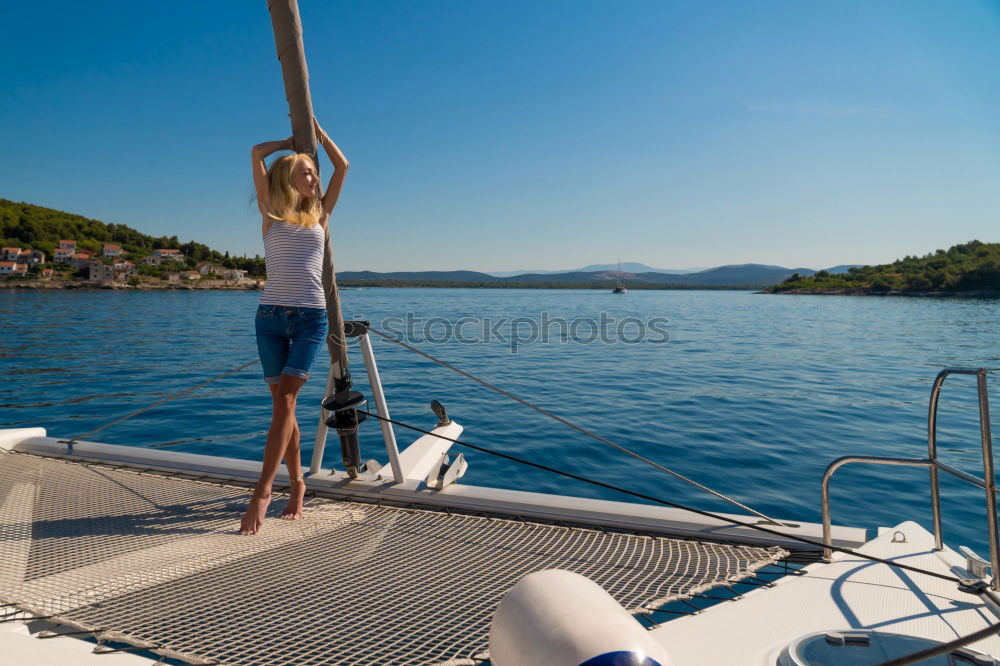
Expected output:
(257, 155)
(339, 168)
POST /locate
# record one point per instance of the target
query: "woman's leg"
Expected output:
(297, 491)
(282, 426)
(308, 335)
(293, 463)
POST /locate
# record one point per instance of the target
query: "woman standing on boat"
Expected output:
(291, 318)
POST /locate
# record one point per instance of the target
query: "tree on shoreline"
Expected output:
(972, 266)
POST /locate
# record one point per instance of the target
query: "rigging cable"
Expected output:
(944, 648)
(160, 402)
(675, 505)
(572, 425)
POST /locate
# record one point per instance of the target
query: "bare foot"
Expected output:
(293, 510)
(253, 519)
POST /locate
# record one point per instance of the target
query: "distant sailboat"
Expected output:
(619, 287)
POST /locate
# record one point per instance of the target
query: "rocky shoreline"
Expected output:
(92, 286)
(867, 291)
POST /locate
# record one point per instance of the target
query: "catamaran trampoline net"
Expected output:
(156, 561)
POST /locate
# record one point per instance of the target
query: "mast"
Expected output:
(291, 54)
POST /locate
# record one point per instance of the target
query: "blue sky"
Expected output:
(535, 135)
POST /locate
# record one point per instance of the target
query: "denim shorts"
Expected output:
(288, 339)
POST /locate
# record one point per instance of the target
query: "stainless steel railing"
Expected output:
(988, 483)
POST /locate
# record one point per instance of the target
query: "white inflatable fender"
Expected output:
(560, 618)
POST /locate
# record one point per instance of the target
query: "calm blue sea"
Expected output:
(752, 395)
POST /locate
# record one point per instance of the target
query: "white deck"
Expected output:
(19, 644)
(849, 593)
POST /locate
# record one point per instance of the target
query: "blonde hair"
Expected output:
(283, 201)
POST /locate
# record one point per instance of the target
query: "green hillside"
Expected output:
(970, 267)
(26, 225)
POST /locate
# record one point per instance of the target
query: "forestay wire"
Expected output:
(574, 426)
(170, 397)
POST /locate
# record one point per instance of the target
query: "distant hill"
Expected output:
(439, 276)
(745, 276)
(752, 275)
(843, 268)
(635, 267)
(501, 274)
(970, 267)
(627, 267)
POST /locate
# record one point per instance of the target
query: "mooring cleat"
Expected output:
(440, 412)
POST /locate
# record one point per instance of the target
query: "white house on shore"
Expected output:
(124, 266)
(82, 258)
(111, 250)
(19, 256)
(64, 253)
(169, 254)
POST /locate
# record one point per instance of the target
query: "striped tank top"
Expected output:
(293, 257)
